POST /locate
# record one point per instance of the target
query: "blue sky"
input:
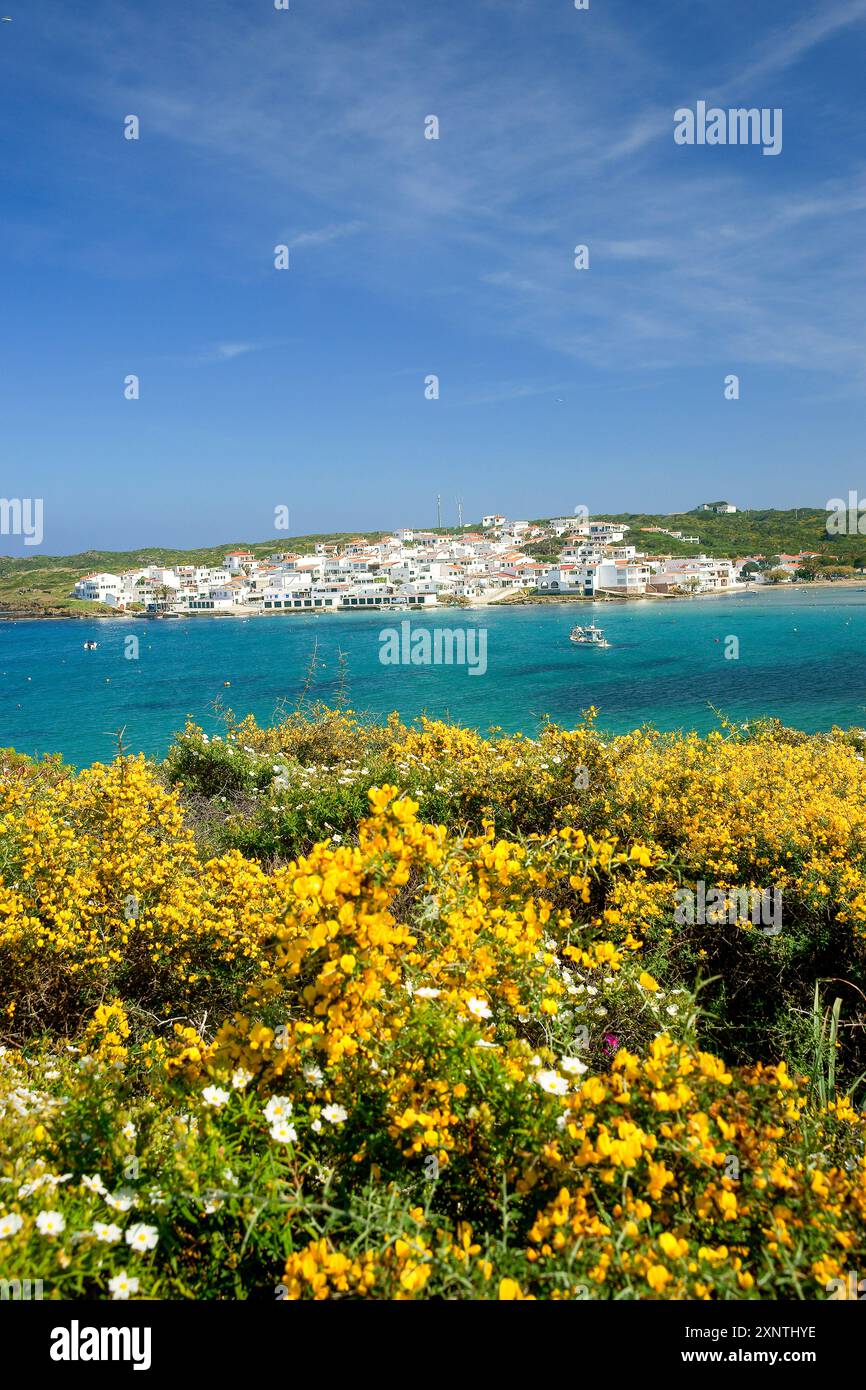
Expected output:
(305, 388)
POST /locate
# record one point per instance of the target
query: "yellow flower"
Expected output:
(673, 1248)
(509, 1290)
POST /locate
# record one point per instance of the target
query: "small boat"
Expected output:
(589, 636)
(90, 646)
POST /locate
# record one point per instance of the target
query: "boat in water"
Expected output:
(589, 636)
(90, 646)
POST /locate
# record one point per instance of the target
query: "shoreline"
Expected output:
(522, 601)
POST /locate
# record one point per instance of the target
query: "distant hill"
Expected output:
(41, 584)
(743, 533)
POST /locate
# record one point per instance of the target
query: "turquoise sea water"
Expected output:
(802, 658)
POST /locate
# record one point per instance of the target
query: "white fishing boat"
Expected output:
(589, 636)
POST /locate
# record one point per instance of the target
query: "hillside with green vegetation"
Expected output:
(765, 533)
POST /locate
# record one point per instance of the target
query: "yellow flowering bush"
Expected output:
(103, 888)
(473, 1054)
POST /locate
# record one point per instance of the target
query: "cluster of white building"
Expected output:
(414, 569)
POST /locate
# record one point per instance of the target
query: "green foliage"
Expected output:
(768, 532)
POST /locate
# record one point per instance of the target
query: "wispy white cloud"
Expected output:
(510, 391)
(213, 353)
(639, 249)
(226, 351)
(323, 235)
(788, 44)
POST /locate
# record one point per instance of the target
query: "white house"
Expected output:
(569, 579)
(608, 532)
(100, 588)
(166, 578)
(700, 574)
(623, 576)
(326, 597)
(582, 550)
(206, 603)
(236, 559)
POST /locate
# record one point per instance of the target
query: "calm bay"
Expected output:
(802, 659)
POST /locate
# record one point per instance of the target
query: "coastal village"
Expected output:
(414, 569)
